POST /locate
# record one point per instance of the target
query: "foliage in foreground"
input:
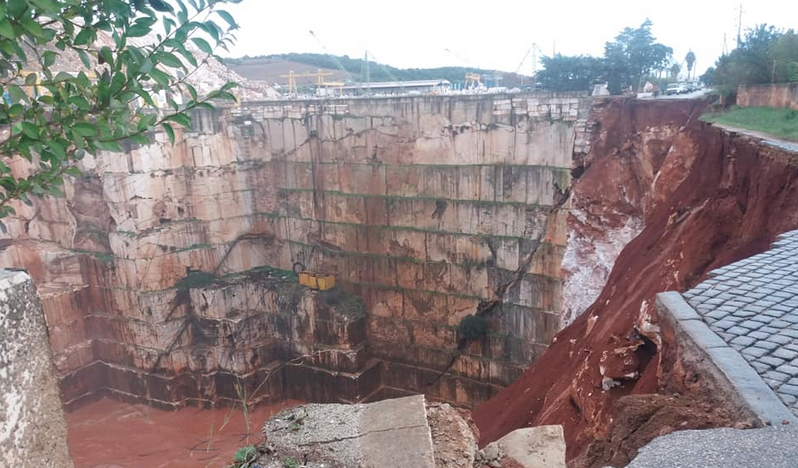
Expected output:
(52, 116)
(782, 123)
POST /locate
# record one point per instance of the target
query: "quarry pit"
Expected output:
(167, 274)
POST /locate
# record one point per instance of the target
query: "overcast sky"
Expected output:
(492, 35)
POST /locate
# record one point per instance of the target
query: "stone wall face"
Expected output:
(32, 426)
(781, 95)
(422, 206)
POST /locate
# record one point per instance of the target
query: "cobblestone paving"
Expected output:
(753, 305)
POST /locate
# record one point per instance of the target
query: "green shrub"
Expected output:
(245, 456)
(472, 327)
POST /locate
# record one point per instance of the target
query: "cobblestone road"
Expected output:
(753, 305)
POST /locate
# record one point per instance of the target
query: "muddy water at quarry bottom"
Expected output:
(112, 434)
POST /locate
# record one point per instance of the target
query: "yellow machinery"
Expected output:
(292, 88)
(472, 80)
(315, 280)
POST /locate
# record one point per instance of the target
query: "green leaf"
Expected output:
(203, 45)
(16, 93)
(138, 30)
(192, 91)
(84, 58)
(31, 131)
(169, 59)
(108, 146)
(160, 77)
(63, 76)
(83, 37)
(182, 119)
(49, 6)
(73, 171)
(168, 24)
(85, 129)
(31, 79)
(6, 30)
(80, 102)
(160, 5)
(48, 58)
(228, 17)
(32, 27)
(169, 131)
(146, 121)
(57, 149)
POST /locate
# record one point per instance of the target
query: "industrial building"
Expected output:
(399, 87)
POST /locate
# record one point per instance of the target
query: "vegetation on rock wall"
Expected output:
(56, 116)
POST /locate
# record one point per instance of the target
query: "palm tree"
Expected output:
(690, 59)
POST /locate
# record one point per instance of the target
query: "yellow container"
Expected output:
(325, 282)
(312, 281)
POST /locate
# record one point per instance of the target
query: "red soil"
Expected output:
(714, 198)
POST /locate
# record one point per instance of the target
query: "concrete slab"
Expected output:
(386, 433)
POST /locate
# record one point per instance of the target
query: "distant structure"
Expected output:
(400, 87)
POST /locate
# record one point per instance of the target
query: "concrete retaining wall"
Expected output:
(780, 95)
(32, 426)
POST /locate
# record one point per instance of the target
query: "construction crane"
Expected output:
(320, 82)
(534, 50)
(337, 62)
(472, 81)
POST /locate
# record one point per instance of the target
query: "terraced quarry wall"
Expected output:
(165, 271)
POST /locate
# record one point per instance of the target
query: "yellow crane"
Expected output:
(472, 80)
(320, 74)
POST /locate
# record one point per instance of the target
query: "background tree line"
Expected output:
(628, 62)
(764, 55)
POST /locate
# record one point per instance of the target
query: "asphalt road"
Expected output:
(722, 448)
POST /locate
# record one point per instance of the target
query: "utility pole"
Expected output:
(367, 74)
(740, 28)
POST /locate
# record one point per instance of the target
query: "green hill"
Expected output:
(355, 68)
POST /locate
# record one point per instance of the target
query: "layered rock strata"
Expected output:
(424, 207)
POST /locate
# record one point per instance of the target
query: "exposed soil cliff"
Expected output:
(706, 198)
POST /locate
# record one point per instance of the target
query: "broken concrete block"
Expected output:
(531, 447)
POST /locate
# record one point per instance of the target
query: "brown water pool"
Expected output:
(111, 434)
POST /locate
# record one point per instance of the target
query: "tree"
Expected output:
(72, 72)
(765, 55)
(632, 57)
(690, 59)
(708, 78)
(570, 73)
(675, 70)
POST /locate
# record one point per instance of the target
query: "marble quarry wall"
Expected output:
(165, 271)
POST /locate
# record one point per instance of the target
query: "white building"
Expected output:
(399, 87)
